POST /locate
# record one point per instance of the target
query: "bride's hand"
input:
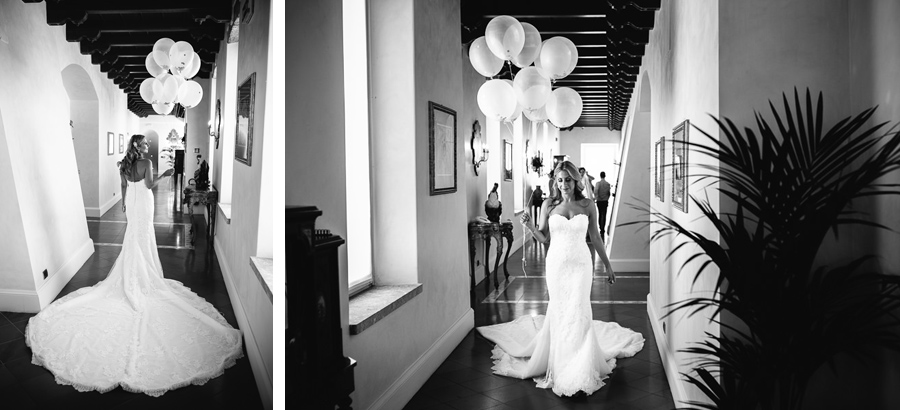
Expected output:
(526, 220)
(610, 276)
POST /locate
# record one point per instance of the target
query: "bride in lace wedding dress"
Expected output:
(135, 329)
(565, 350)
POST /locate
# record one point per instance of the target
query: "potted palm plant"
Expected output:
(786, 316)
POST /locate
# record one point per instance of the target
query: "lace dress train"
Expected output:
(135, 329)
(565, 350)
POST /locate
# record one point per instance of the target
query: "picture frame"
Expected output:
(659, 169)
(442, 156)
(121, 143)
(507, 161)
(243, 136)
(217, 123)
(680, 166)
(110, 143)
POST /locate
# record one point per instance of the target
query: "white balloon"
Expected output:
(180, 54)
(169, 91)
(532, 88)
(162, 108)
(564, 107)
(190, 93)
(147, 93)
(537, 61)
(537, 116)
(518, 111)
(505, 37)
(496, 100)
(161, 59)
(194, 67)
(573, 60)
(532, 48)
(483, 60)
(556, 57)
(153, 68)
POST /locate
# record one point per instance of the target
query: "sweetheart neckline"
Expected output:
(564, 217)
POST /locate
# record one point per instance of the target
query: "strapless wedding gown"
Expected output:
(134, 329)
(565, 350)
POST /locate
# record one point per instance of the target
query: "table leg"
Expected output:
(471, 264)
(497, 262)
(487, 271)
(506, 260)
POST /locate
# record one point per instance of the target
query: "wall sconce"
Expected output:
(479, 152)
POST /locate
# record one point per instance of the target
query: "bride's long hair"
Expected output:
(555, 196)
(132, 155)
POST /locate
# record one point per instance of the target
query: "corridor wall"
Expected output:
(43, 208)
(237, 236)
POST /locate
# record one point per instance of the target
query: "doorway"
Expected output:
(84, 118)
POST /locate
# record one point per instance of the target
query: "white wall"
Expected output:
(629, 246)
(681, 62)
(238, 240)
(197, 120)
(49, 212)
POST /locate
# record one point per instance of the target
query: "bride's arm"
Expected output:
(542, 234)
(124, 189)
(597, 242)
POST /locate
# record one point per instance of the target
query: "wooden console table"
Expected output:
(486, 231)
(209, 198)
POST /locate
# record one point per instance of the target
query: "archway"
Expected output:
(84, 120)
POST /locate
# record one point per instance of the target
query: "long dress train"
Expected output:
(135, 329)
(565, 350)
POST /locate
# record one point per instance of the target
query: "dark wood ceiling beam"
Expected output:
(117, 51)
(70, 12)
(532, 7)
(94, 29)
(147, 39)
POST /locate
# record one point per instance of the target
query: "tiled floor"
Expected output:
(465, 381)
(26, 386)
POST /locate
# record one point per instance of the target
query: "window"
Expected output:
(356, 142)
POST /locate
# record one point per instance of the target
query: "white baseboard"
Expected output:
(403, 390)
(14, 300)
(57, 280)
(670, 364)
(109, 204)
(630, 265)
(92, 212)
(260, 374)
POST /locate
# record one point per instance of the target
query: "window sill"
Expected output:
(226, 212)
(375, 303)
(263, 269)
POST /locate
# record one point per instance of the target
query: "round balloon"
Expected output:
(555, 58)
(573, 60)
(532, 88)
(147, 93)
(180, 54)
(169, 91)
(194, 67)
(161, 59)
(537, 61)
(518, 111)
(505, 37)
(531, 49)
(482, 59)
(496, 100)
(190, 93)
(564, 107)
(162, 108)
(153, 68)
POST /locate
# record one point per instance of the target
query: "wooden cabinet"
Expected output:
(318, 375)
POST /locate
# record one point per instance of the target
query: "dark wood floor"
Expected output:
(27, 386)
(465, 381)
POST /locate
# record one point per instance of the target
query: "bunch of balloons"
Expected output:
(172, 65)
(507, 40)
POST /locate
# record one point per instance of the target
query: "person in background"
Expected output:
(587, 181)
(602, 194)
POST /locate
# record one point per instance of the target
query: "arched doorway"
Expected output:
(84, 122)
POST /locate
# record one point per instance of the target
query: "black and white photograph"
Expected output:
(130, 276)
(682, 204)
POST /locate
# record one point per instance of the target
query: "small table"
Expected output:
(486, 231)
(207, 197)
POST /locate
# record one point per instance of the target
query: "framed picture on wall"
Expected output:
(680, 166)
(121, 143)
(243, 137)
(441, 149)
(507, 160)
(110, 143)
(660, 169)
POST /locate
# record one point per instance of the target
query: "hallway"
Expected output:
(465, 381)
(24, 385)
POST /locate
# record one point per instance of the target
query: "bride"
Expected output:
(135, 329)
(565, 350)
